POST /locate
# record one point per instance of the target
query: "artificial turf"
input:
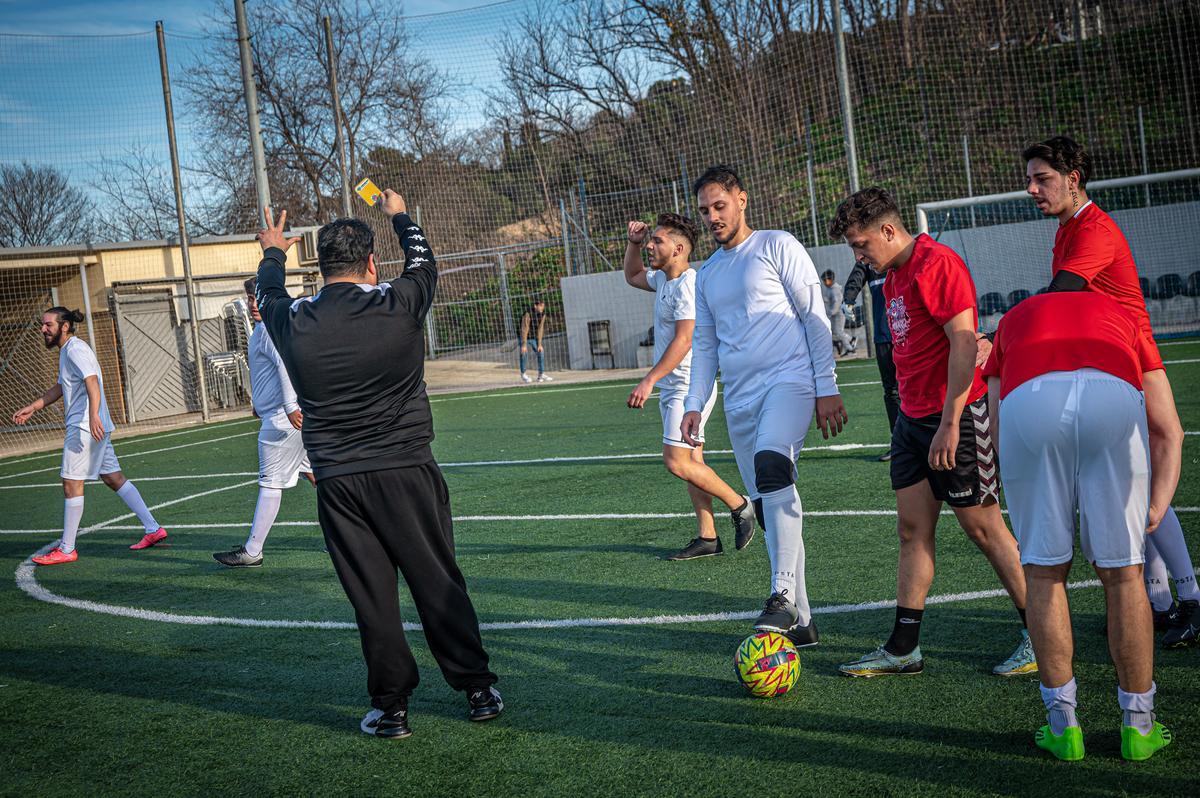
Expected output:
(93, 703)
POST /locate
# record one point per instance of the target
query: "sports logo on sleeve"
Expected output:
(898, 321)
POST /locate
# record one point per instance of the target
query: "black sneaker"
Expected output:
(778, 615)
(886, 457)
(699, 547)
(1167, 618)
(803, 636)
(238, 558)
(485, 703)
(743, 525)
(1186, 629)
(388, 725)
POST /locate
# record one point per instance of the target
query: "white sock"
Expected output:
(72, 513)
(1158, 582)
(133, 500)
(785, 542)
(1138, 707)
(1168, 540)
(1060, 706)
(265, 511)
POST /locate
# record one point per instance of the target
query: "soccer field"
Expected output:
(159, 672)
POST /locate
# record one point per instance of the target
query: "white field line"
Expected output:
(140, 479)
(140, 454)
(510, 518)
(1177, 362)
(147, 438)
(1192, 342)
(529, 391)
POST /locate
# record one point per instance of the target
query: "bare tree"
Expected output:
(40, 208)
(388, 97)
(140, 200)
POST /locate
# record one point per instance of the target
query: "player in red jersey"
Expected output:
(1091, 253)
(942, 449)
(1064, 380)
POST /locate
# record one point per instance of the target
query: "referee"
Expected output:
(354, 353)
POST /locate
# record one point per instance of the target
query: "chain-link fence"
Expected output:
(525, 134)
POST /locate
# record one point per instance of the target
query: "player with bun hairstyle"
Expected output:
(87, 448)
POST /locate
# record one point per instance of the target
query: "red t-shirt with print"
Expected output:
(923, 295)
(1068, 331)
(1092, 246)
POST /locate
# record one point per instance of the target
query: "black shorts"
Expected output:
(975, 477)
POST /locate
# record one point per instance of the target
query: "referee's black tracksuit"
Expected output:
(355, 354)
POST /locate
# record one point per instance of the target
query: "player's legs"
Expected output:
(916, 523)
(1170, 548)
(281, 460)
(684, 462)
(887, 376)
(153, 533)
(985, 526)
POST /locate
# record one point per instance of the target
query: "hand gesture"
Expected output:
(690, 428)
(639, 395)
(272, 235)
(23, 415)
(297, 418)
(638, 232)
(1155, 518)
(831, 415)
(392, 203)
(944, 448)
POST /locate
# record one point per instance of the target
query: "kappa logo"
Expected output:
(898, 321)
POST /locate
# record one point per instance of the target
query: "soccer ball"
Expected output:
(766, 663)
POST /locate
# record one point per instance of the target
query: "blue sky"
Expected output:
(79, 79)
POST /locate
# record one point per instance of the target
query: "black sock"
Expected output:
(758, 512)
(906, 633)
(1021, 612)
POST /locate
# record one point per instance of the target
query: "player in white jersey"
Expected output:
(761, 320)
(281, 455)
(674, 285)
(87, 449)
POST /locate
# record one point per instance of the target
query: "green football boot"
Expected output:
(1021, 662)
(881, 662)
(1136, 746)
(1067, 746)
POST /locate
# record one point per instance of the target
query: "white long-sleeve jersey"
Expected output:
(271, 390)
(761, 319)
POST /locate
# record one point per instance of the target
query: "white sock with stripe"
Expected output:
(72, 513)
(1158, 582)
(265, 512)
(133, 500)
(784, 532)
(1168, 540)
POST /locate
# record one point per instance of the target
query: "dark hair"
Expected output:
(1065, 155)
(722, 175)
(863, 209)
(343, 247)
(681, 225)
(537, 301)
(828, 275)
(251, 285)
(71, 317)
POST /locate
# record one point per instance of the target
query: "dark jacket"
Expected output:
(854, 283)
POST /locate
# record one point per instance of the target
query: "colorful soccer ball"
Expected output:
(767, 664)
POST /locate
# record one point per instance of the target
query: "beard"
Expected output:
(52, 341)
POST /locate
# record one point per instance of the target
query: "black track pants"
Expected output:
(380, 521)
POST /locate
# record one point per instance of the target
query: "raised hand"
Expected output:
(392, 203)
(638, 232)
(272, 235)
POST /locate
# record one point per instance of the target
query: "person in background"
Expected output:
(831, 293)
(860, 275)
(533, 327)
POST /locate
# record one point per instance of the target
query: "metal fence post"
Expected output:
(183, 235)
(337, 116)
(967, 167)
(812, 187)
(250, 94)
(1145, 160)
(566, 235)
(585, 255)
(505, 299)
(87, 301)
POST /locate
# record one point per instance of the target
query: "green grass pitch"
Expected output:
(97, 703)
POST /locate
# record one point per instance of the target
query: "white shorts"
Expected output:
(85, 458)
(776, 422)
(1076, 440)
(670, 404)
(281, 455)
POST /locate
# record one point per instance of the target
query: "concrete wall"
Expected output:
(596, 297)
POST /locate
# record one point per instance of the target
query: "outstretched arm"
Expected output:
(271, 294)
(52, 395)
(416, 284)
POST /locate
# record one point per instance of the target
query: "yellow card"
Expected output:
(368, 191)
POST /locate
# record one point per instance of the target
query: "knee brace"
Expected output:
(772, 472)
